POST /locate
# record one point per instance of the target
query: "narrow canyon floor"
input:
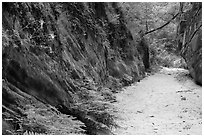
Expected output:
(165, 103)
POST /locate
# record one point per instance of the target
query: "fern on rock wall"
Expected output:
(65, 55)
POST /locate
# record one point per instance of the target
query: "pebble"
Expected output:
(183, 98)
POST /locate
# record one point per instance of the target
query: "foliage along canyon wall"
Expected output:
(65, 58)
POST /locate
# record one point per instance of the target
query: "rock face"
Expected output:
(190, 40)
(59, 56)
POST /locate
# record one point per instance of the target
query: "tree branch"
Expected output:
(193, 35)
(162, 25)
(183, 48)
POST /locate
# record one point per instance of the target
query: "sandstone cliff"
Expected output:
(190, 40)
(64, 58)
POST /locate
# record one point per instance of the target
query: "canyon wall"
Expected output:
(64, 59)
(190, 40)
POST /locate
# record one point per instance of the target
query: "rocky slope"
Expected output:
(61, 64)
(190, 40)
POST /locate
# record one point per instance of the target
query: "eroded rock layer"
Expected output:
(64, 58)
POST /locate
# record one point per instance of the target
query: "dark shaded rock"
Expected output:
(190, 40)
(52, 52)
(143, 49)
